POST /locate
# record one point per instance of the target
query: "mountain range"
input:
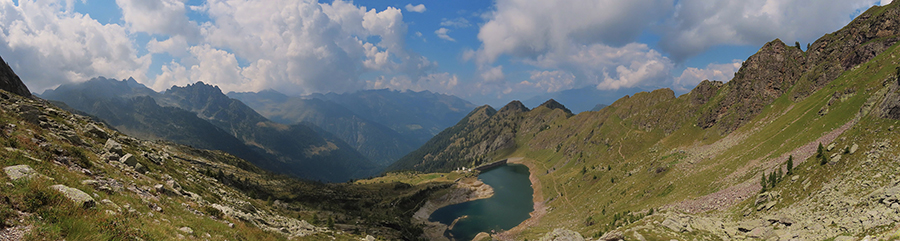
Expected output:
(201, 115)
(71, 178)
(383, 125)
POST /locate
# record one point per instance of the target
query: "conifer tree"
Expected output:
(790, 165)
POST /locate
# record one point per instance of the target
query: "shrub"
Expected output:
(211, 211)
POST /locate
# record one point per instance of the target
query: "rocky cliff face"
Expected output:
(9, 81)
(763, 77)
(778, 69)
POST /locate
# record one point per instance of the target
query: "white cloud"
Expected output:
(690, 77)
(697, 25)
(415, 8)
(531, 28)
(167, 17)
(459, 22)
(176, 46)
(442, 33)
(885, 2)
(550, 81)
(306, 46)
(437, 82)
(48, 46)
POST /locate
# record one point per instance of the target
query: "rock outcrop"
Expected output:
(9, 81)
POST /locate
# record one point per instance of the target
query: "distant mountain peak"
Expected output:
(514, 106)
(552, 104)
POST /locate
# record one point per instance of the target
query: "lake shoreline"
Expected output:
(464, 190)
(537, 197)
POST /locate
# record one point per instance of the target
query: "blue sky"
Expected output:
(488, 52)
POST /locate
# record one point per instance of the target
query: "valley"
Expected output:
(800, 144)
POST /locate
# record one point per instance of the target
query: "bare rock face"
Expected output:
(9, 81)
(705, 91)
(777, 68)
(762, 78)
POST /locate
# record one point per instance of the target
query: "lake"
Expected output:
(510, 205)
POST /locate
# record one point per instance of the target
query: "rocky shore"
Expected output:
(464, 190)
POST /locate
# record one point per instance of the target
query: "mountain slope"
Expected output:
(298, 148)
(377, 142)
(200, 115)
(69, 178)
(659, 167)
(10, 81)
(416, 115)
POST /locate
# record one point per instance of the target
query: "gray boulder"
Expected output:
(19, 172)
(129, 160)
(112, 146)
(97, 131)
(77, 196)
(560, 234)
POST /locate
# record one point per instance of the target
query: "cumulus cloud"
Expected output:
(697, 25)
(690, 77)
(531, 28)
(885, 2)
(166, 17)
(583, 43)
(176, 46)
(48, 45)
(302, 47)
(415, 8)
(442, 33)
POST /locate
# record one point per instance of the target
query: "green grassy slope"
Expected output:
(706, 151)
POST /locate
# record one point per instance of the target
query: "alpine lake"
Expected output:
(508, 207)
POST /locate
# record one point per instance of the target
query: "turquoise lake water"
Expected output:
(510, 205)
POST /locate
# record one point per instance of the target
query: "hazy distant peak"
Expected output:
(552, 104)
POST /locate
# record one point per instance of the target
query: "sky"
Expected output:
(487, 52)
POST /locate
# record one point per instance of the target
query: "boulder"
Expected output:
(560, 234)
(186, 230)
(77, 196)
(19, 172)
(763, 232)
(835, 160)
(112, 146)
(854, 148)
(140, 168)
(129, 160)
(97, 131)
(675, 225)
